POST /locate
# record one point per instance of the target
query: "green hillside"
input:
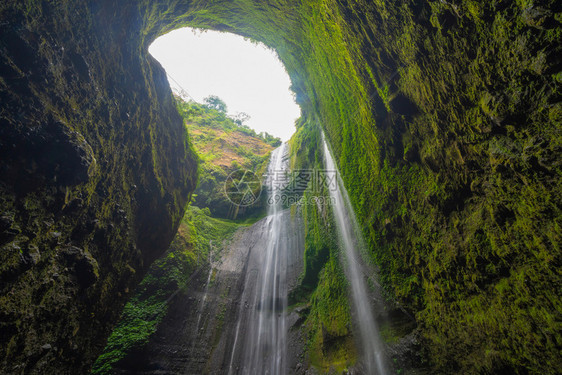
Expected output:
(224, 146)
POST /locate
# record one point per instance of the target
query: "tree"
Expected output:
(240, 118)
(271, 139)
(214, 102)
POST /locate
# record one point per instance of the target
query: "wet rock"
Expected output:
(31, 255)
(8, 231)
(5, 222)
(50, 154)
(406, 354)
(85, 266)
(73, 206)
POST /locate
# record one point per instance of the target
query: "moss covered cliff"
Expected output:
(96, 170)
(322, 293)
(200, 238)
(444, 116)
(445, 120)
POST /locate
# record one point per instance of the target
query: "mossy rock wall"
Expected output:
(444, 118)
(95, 174)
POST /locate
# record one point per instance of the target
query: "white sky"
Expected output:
(247, 77)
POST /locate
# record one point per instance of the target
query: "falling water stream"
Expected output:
(264, 343)
(259, 343)
(372, 349)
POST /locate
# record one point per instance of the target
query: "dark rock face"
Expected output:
(95, 172)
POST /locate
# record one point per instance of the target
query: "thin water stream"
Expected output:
(350, 236)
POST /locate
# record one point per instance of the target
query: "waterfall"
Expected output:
(259, 341)
(262, 315)
(268, 353)
(350, 236)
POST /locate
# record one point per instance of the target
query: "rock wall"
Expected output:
(95, 172)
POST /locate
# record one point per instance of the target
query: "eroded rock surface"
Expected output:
(94, 174)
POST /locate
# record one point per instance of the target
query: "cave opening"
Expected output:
(245, 74)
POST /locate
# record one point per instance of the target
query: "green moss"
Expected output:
(189, 253)
(330, 344)
(323, 286)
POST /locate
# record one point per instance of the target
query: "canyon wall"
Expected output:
(95, 173)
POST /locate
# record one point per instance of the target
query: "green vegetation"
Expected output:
(188, 255)
(224, 146)
(323, 286)
(444, 119)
